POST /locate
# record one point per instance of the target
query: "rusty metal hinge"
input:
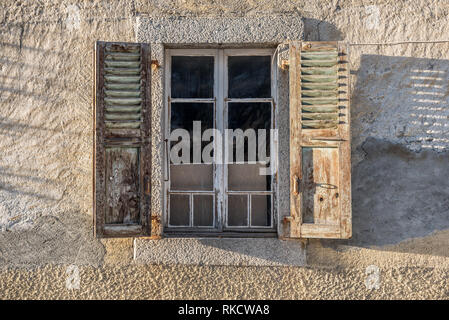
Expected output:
(155, 65)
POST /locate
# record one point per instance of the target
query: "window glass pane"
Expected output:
(237, 210)
(203, 210)
(255, 116)
(191, 177)
(192, 77)
(260, 210)
(183, 115)
(179, 209)
(249, 76)
(248, 177)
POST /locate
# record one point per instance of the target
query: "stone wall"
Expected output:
(400, 133)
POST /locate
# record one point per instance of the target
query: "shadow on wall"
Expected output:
(398, 194)
(66, 239)
(404, 100)
(32, 180)
(320, 30)
(400, 110)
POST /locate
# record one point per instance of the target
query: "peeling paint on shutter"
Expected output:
(320, 164)
(122, 161)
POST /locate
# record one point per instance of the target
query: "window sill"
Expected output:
(219, 251)
(219, 235)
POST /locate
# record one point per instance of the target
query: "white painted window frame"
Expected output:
(220, 102)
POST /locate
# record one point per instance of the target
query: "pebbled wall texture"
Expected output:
(400, 156)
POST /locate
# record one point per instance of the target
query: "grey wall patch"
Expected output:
(398, 194)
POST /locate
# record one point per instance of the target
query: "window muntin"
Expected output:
(220, 197)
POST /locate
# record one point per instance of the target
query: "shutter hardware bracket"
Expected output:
(285, 63)
(155, 65)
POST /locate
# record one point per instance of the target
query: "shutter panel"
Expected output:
(122, 154)
(320, 149)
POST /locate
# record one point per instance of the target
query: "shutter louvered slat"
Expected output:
(122, 86)
(124, 68)
(319, 79)
(130, 109)
(122, 93)
(122, 71)
(122, 79)
(122, 56)
(318, 68)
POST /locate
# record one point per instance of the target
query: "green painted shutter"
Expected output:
(320, 147)
(122, 141)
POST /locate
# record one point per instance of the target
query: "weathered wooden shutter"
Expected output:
(320, 149)
(122, 160)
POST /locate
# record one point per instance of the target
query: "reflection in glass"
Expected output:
(179, 210)
(182, 116)
(192, 77)
(254, 115)
(203, 210)
(249, 76)
(191, 177)
(247, 177)
(260, 210)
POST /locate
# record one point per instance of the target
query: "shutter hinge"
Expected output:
(155, 65)
(285, 63)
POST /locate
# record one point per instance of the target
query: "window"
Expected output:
(219, 130)
(221, 142)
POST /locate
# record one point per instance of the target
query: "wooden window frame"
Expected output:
(220, 191)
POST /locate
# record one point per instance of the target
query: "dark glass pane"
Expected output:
(249, 76)
(237, 210)
(182, 117)
(191, 177)
(254, 115)
(179, 209)
(203, 210)
(248, 177)
(192, 77)
(260, 210)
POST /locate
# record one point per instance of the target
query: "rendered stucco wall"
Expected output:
(400, 155)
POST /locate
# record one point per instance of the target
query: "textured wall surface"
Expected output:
(400, 132)
(227, 252)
